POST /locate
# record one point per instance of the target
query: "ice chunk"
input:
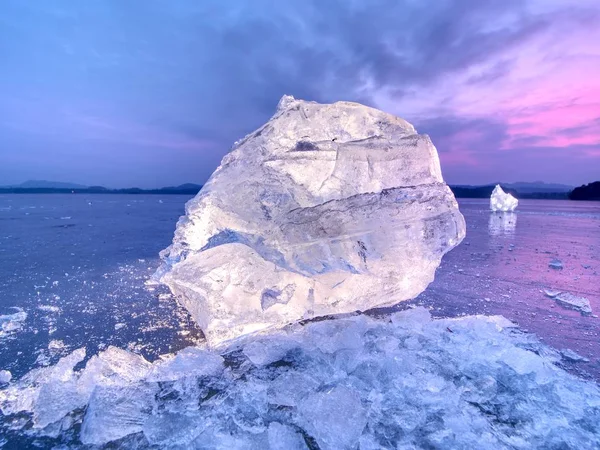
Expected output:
(115, 412)
(47, 392)
(334, 417)
(284, 437)
(556, 264)
(290, 388)
(11, 323)
(114, 366)
(188, 362)
(262, 352)
(502, 201)
(326, 209)
(169, 429)
(572, 356)
(551, 293)
(570, 301)
(5, 376)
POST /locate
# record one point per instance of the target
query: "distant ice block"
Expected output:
(405, 381)
(325, 209)
(502, 201)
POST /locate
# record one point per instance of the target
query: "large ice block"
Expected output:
(327, 208)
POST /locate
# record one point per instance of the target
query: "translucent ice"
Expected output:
(325, 209)
(335, 417)
(502, 201)
(405, 381)
(284, 437)
(115, 412)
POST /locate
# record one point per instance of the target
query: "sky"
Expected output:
(152, 93)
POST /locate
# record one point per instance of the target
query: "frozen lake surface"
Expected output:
(73, 275)
(76, 265)
(503, 267)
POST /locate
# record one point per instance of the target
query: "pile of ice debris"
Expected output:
(404, 381)
(325, 209)
(502, 201)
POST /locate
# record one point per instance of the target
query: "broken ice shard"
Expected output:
(570, 301)
(327, 208)
(502, 201)
(556, 264)
(11, 323)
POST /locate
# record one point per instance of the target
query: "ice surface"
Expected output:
(325, 209)
(502, 201)
(571, 301)
(502, 223)
(404, 381)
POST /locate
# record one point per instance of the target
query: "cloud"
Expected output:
(482, 76)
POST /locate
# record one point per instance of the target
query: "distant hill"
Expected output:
(519, 190)
(184, 187)
(538, 187)
(586, 192)
(49, 187)
(44, 184)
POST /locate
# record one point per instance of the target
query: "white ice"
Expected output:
(404, 381)
(502, 201)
